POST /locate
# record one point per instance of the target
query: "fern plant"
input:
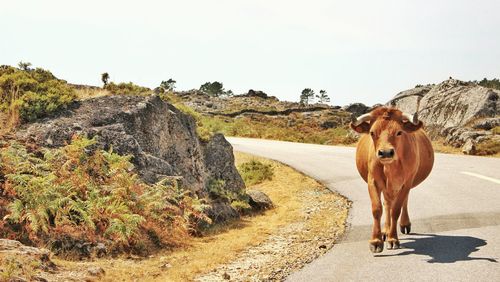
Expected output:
(56, 192)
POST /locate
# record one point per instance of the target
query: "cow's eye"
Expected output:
(372, 133)
(399, 133)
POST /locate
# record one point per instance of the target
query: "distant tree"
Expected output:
(307, 96)
(168, 85)
(493, 83)
(105, 78)
(323, 97)
(26, 66)
(215, 88)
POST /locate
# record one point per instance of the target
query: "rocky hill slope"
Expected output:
(161, 139)
(258, 115)
(463, 113)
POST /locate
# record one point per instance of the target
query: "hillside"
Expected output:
(258, 115)
(458, 116)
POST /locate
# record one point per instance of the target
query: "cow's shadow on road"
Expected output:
(442, 248)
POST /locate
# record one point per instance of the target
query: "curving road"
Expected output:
(455, 218)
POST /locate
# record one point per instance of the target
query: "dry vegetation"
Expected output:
(296, 198)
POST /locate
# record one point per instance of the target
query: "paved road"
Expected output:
(455, 218)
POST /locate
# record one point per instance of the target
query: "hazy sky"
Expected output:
(359, 51)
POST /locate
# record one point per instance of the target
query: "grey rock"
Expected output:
(449, 104)
(220, 211)
(329, 124)
(469, 147)
(161, 139)
(17, 249)
(96, 271)
(460, 112)
(407, 100)
(100, 250)
(259, 200)
(487, 123)
(219, 161)
(356, 109)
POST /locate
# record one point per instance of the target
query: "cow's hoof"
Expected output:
(392, 244)
(376, 246)
(406, 229)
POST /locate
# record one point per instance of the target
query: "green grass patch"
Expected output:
(255, 172)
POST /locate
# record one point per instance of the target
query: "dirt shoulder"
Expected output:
(306, 221)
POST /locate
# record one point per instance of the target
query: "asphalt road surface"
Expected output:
(455, 217)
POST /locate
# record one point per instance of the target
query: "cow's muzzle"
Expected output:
(385, 154)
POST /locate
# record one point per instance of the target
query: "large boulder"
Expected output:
(161, 139)
(356, 109)
(219, 161)
(407, 100)
(460, 112)
(449, 104)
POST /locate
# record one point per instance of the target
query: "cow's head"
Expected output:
(389, 129)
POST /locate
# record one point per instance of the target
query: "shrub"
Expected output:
(127, 89)
(255, 172)
(239, 201)
(34, 93)
(496, 130)
(489, 147)
(89, 195)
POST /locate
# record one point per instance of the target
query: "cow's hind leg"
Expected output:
(405, 224)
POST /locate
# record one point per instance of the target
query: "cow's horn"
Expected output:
(413, 119)
(363, 118)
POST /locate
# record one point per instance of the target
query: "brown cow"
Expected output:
(394, 157)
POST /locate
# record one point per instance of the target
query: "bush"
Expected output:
(489, 147)
(34, 93)
(496, 130)
(127, 89)
(239, 201)
(78, 194)
(493, 83)
(255, 172)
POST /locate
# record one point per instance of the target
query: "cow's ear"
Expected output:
(363, 127)
(411, 127)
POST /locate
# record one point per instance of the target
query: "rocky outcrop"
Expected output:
(450, 103)
(23, 263)
(356, 109)
(258, 93)
(487, 123)
(461, 112)
(407, 100)
(161, 139)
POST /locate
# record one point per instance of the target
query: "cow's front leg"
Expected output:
(393, 241)
(376, 242)
(387, 220)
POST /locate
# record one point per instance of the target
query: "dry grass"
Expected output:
(224, 243)
(486, 149)
(440, 147)
(87, 93)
